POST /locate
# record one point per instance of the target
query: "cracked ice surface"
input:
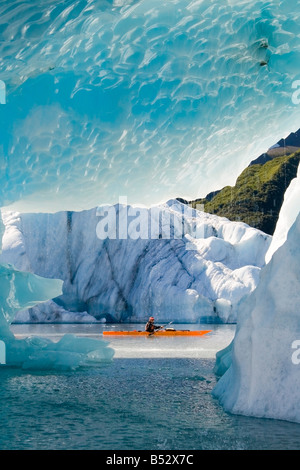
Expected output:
(149, 100)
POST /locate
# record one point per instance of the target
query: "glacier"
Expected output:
(260, 369)
(103, 99)
(21, 289)
(195, 267)
(288, 214)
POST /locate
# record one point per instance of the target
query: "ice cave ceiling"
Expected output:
(148, 100)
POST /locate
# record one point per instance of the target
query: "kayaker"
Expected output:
(150, 327)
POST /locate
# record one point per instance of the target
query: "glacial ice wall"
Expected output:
(288, 214)
(152, 100)
(20, 290)
(262, 364)
(173, 262)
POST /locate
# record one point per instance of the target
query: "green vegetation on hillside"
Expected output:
(258, 194)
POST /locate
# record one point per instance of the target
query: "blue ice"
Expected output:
(110, 98)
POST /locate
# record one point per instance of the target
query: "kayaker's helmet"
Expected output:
(151, 319)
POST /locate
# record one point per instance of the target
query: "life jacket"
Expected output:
(150, 327)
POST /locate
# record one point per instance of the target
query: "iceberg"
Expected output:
(185, 265)
(260, 369)
(20, 290)
(288, 215)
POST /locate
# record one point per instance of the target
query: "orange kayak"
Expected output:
(167, 332)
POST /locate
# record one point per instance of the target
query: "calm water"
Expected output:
(156, 395)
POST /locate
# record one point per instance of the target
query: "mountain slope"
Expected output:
(258, 194)
(286, 146)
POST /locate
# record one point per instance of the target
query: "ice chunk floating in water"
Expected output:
(19, 290)
(152, 100)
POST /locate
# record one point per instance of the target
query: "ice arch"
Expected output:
(151, 100)
(110, 98)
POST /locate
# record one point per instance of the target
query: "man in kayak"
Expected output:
(150, 327)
